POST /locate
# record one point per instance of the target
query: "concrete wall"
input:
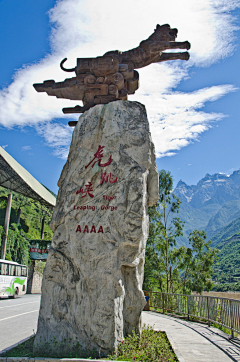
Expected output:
(34, 277)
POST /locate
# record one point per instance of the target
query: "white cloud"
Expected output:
(26, 148)
(83, 28)
(57, 136)
(175, 118)
(4, 146)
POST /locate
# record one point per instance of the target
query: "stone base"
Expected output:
(92, 283)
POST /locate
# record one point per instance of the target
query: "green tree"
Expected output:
(169, 268)
(164, 228)
(196, 263)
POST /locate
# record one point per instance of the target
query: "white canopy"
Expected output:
(14, 177)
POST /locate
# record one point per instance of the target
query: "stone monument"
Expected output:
(92, 282)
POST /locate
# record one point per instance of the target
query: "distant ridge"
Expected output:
(224, 235)
(210, 205)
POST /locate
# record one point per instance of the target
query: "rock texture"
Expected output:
(92, 283)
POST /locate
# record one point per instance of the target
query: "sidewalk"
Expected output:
(194, 342)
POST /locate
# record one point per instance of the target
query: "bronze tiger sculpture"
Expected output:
(113, 76)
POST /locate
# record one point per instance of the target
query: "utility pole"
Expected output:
(171, 279)
(6, 225)
(42, 230)
(19, 215)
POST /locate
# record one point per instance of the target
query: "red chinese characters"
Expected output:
(106, 178)
(98, 158)
(88, 190)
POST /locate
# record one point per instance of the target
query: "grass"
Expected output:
(151, 346)
(24, 349)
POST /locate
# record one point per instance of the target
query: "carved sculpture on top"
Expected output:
(113, 76)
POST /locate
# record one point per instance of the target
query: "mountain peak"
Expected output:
(211, 189)
(181, 183)
(235, 177)
(184, 191)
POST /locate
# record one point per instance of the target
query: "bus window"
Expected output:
(18, 271)
(24, 271)
(12, 269)
(4, 269)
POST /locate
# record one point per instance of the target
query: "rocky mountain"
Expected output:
(211, 205)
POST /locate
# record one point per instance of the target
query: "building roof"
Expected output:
(14, 177)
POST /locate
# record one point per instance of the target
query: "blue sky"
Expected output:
(193, 107)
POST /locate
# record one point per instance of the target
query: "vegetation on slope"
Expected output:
(228, 212)
(29, 228)
(223, 235)
(227, 269)
(195, 219)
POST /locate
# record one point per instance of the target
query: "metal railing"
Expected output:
(223, 311)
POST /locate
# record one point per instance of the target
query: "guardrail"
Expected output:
(223, 311)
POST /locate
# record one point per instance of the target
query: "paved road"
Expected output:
(18, 318)
(195, 342)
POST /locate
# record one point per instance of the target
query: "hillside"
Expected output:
(210, 205)
(225, 233)
(30, 225)
(227, 269)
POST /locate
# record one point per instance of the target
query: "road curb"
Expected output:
(174, 348)
(14, 345)
(41, 359)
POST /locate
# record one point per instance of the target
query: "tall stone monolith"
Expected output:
(92, 283)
